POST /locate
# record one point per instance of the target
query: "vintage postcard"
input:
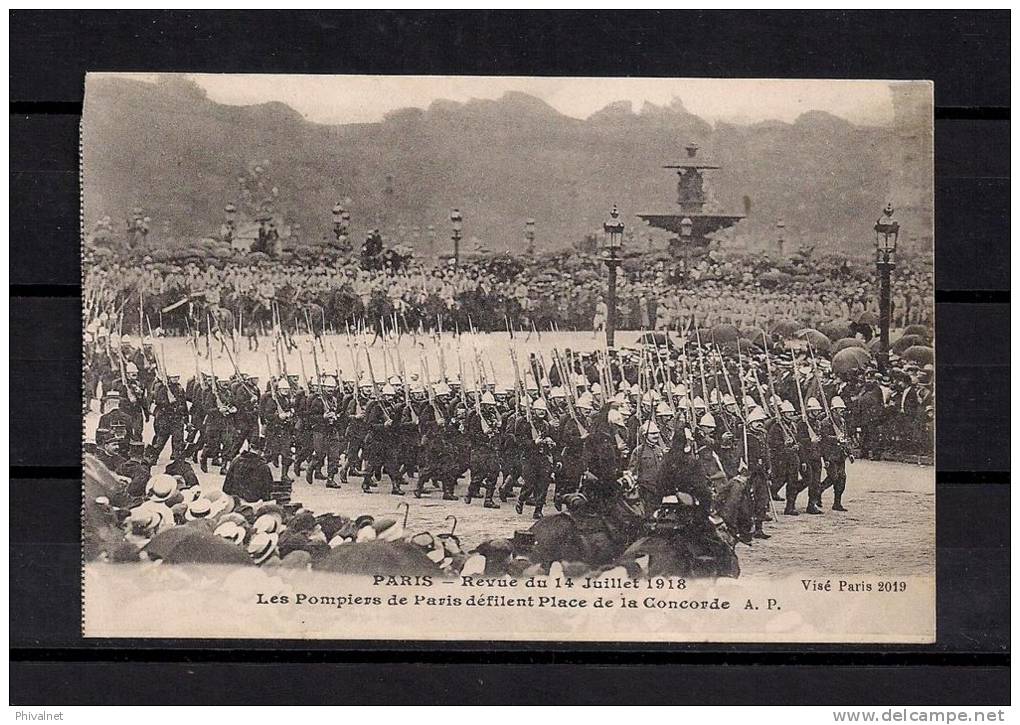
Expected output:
(508, 358)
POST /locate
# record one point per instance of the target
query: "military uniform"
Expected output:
(809, 453)
(484, 459)
(245, 422)
(645, 462)
(536, 463)
(785, 460)
(834, 452)
(135, 406)
(170, 413)
(381, 452)
(570, 446)
(217, 433)
(758, 475)
(276, 412)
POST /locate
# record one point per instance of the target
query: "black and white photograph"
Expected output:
(508, 358)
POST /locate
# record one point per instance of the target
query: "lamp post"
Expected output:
(780, 238)
(613, 244)
(529, 235)
(686, 232)
(887, 233)
(431, 233)
(341, 225)
(457, 220)
(229, 227)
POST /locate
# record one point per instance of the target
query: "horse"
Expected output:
(596, 536)
(680, 542)
(599, 522)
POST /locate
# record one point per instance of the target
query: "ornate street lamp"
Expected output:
(430, 232)
(341, 225)
(529, 235)
(612, 246)
(686, 232)
(887, 234)
(228, 229)
(457, 220)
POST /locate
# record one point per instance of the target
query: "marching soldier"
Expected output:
(645, 462)
(276, 409)
(383, 421)
(357, 431)
(758, 469)
(217, 436)
(570, 465)
(170, 413)
(133, 401)
(809, 453)
(536, 461)
(835, 450)
(481, 428)
(784, 457)
(245, 422)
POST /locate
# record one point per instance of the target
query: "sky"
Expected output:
(361, 99)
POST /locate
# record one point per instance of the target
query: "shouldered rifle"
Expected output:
(701, 366)
(352, 350)
(304, 375)
(715, 374)
(212, 370)
(523, 393)
(787, 435)
(272, 383)
(689, 380)
(486, 429)
(233, 363)
(407, 393)
(812, 435)
(327, 408)
(841, 436)
(430, 392)
(375, 387)
(667, 382)
(123, 363)
(571, 394)
(740, 405)
(161, 369)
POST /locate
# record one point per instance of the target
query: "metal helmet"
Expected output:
(650, 428)
(756, 415)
